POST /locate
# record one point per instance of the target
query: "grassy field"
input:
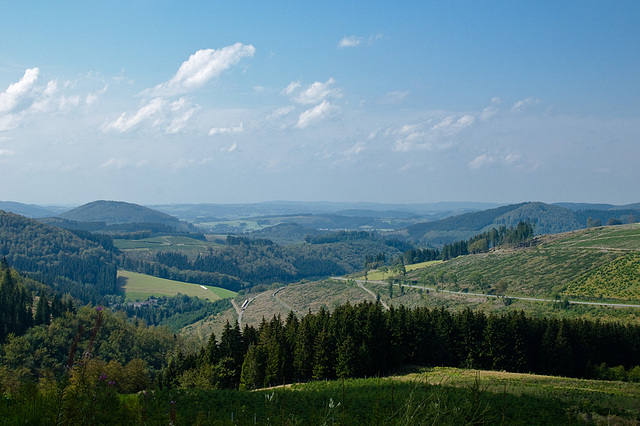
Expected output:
(433, 396)
(139, 287)
(428, 396)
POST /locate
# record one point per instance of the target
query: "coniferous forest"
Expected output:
(367, 340)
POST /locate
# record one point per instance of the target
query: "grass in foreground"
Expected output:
(140, 286)
(444, 396)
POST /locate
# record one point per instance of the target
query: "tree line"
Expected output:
(366, 340)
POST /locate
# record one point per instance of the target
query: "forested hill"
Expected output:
(77, 263)
(119, 212)
(547, 218)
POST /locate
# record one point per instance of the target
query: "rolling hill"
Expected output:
(118, 212)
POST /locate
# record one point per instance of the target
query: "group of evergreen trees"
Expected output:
(365, 340)
(494, 238)
(16, 305)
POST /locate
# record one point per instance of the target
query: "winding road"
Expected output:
(573, 302)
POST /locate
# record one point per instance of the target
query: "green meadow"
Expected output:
(140, 286)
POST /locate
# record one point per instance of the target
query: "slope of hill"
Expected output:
(80, 264)
(28, 210)
(590, 263)
(119, 212)
(548, 219)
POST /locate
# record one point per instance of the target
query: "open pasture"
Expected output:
(140, 286)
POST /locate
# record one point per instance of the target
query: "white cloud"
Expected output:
(481, 160)
(17, 93)
(511, 158)
(350, 41)
(394, 97)
(5, 152)
(517, 107)
(355, 149)
(173, 116)
(115, 163)
(26, 98)
(488, 112)
(93, 96)
(450, 126)
(230, 149)
(486, 159)
(280, 112)
(314, 93)
(125, 122)
(420, 136)
(201, 67)
(184, 163)
(316, 114)
(226, 130)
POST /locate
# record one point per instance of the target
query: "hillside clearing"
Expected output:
(140, 286)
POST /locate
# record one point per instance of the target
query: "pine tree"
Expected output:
(43, 311)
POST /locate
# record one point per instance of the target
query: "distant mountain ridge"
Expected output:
(27, 210)
(547, 218)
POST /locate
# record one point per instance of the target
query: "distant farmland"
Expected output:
(140, 286)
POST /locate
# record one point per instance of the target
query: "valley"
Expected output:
(290, 303)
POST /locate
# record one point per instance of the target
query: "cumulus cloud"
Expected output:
(350, 41)
(201, 67)
(316, 114)
(314, 93)
(5, 152)
(18, 92)
(161, 110)
(227, 130)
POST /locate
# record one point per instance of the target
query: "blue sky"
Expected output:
(222, 102)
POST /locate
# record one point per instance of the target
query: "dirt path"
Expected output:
(375, 297)
(275, 296)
